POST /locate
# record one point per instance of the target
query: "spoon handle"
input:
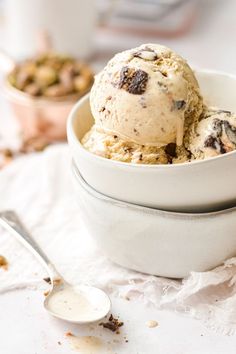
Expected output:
(10, 221)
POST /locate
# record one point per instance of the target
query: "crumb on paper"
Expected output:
(59, 343)
(127, 298)
(57, 281)
(113, 324)
(47, 280)
(3, 263)
(69, 334)
(46, 293)
(126, 340)
(6, 157)
(151, 324)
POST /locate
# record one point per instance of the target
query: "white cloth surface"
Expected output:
(39, 188)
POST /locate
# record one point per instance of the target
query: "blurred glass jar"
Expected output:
(69, 23)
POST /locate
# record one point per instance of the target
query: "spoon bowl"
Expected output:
(77, 304)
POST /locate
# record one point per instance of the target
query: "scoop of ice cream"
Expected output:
(147, 95)
(214, 135)
(115, 148)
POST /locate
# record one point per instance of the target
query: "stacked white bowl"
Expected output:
(166, 220)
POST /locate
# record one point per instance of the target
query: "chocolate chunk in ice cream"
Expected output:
(230, 131)
(146, 54)
(133, 81)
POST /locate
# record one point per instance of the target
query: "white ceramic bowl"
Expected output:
(196, 186)
(153, 241)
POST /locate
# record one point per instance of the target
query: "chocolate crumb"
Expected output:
(69, 334)
(217, 126)
(59, 343)
(115, 136)
(164, 73)
(170, 149)
(127, 149)
(210, 142)
(48, 280)
(180, 104)
(143, 102)
(113, 324)
(230, 131)
(214, 143)
(3, 263)
(146, 54)
(163, 87)
(102, 109)
(7, 153)
(6, 156)
(56, 281)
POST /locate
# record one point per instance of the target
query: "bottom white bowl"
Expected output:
(153, 241)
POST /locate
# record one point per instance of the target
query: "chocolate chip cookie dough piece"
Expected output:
(146, 95)
(214, 135)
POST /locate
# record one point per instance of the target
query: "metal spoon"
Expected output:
(78, 304)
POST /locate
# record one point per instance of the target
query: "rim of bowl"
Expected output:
(141, 208)
(72, 134)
